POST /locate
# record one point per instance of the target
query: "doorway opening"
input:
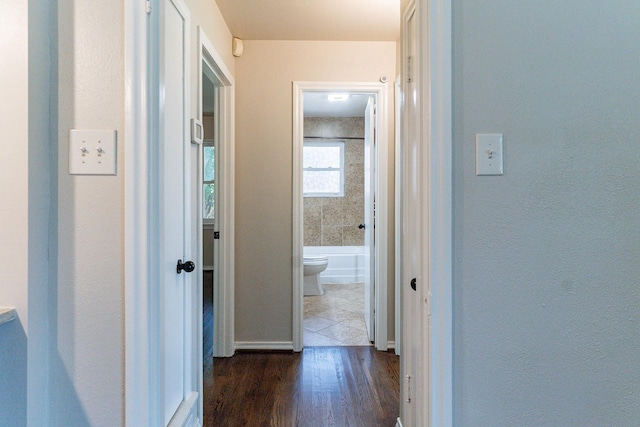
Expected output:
(334, 229)
(335, 222)
(214, 198)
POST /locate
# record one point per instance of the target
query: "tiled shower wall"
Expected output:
(333, 221)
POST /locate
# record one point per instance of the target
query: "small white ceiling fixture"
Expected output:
(317, 104)
(341, 97)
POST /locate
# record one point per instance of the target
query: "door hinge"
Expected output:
(407, 385)
(409, 70)
(148, 8)
(216, 234)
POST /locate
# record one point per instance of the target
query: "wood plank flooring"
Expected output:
(320, 387)
(207, 320)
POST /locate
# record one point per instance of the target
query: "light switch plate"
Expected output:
(489, 154)
(92, 152)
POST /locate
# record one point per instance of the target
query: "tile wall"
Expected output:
(333, 221)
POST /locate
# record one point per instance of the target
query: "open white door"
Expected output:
(369, 217)
(411, 397)
(178, 396)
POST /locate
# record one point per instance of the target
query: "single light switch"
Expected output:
(488, 154)
(92, 152)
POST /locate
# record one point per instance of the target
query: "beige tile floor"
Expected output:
(337, 317)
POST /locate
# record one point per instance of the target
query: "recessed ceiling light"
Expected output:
(338, 96)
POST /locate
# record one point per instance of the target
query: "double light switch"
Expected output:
(92, 152)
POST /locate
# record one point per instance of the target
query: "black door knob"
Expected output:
(188, 266)
(361, 226)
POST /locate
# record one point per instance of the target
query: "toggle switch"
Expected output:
(489, 154)
(92, 152)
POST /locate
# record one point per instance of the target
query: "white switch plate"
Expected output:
(489, 154)
(92, 152)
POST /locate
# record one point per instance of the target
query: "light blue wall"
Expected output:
(24, 210)
(547, 257)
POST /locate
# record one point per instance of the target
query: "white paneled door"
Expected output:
(178, 396)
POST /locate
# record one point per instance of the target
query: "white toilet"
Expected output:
(313, 266)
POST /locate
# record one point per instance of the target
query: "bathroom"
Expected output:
(334, 222)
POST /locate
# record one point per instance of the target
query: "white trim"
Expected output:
(435, 26)
(264, 345)
(412, 400)
(192, 388)
(398, 192)
(224, 275)
(398, 422)
(381, 230)
(138, 373)
(297, 235)
(186, 415)
(391, 345)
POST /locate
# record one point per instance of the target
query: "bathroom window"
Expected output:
(208, 183)
(323, 169)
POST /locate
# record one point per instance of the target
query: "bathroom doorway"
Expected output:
(336, 238)
(335, 220)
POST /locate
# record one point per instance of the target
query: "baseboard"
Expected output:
(391, 345)
(264, 345)
(398, 422)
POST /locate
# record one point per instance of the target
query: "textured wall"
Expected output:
(333, 221)
(87, 309)
(264, 158)
(14, 209)
(546, 297)
(86, 361)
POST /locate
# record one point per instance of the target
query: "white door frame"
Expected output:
(382, 200)
(143, 404)
(435, 28)
(436, 325)
(223, 300)
(398, 212)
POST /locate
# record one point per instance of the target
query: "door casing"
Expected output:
(434, 327)
(379, 90)
(210, 61)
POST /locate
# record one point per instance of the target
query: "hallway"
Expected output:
(321, 386)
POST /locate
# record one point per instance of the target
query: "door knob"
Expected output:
(361, 226)
(188, 266)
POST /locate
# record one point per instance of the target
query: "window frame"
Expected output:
(326, 143)
(208, 143)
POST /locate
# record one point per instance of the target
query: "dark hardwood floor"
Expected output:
(207, 320)
(319, 387)
(322, 386)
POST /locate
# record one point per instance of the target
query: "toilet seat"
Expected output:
(315, 260)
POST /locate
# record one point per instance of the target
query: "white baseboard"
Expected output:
(264, 345)
(391, 345)
(398, 422)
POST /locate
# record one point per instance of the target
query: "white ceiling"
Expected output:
(317, 104)
(340, 20)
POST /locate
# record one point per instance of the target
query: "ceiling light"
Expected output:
(338, 96)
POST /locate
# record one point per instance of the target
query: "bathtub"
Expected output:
(346, 263)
